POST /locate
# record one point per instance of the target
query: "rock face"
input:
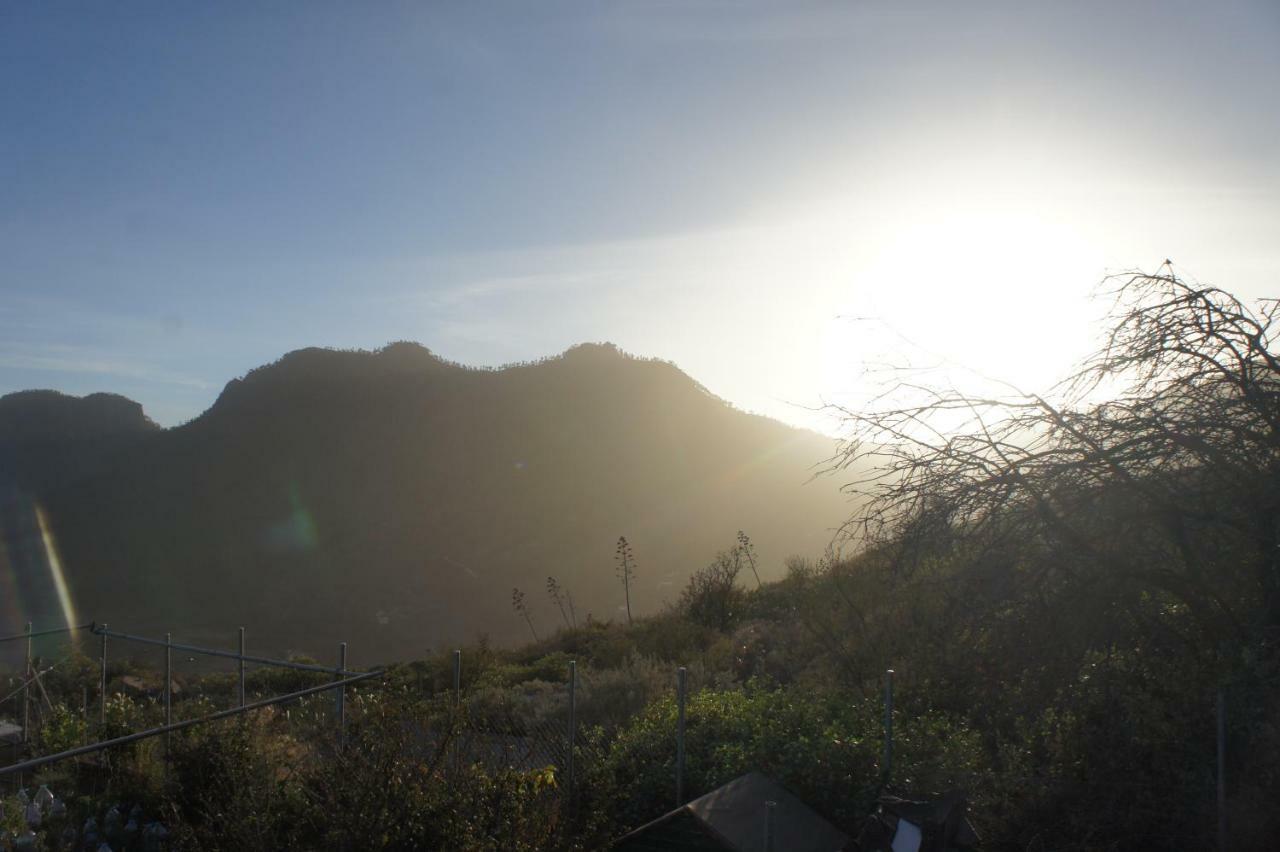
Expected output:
(393, 499)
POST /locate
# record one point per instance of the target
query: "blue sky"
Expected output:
(190, 190)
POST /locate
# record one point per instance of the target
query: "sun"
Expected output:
(1001, 293)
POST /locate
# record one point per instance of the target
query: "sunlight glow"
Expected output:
(994, 293)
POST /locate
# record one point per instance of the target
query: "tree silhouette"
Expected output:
(1147, 483)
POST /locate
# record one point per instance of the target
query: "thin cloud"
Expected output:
(69, 359)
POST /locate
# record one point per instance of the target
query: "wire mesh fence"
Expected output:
(528, 727)
(88, 710)
(68, 688)
(74, 694)
(42, 682)
(106, 682)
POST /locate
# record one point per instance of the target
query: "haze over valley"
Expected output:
(393, 500)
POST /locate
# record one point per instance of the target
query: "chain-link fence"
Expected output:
(72, 692)
(44, 677)
(527, 727)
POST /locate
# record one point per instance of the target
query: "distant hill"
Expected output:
(48, 438)
(47, 415)
(393, 499)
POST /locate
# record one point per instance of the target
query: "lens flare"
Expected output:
(54, 561)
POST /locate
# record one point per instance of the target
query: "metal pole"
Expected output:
(770, 823)
(573, 719)
(168, 687)
(26, 692)
(341, 692)
(681, 681)
(457, 703)
(1222, 770)
(241, 664)
(102, 686)
(457, 677)
(887, 769)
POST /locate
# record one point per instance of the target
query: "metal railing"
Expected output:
(28, 634)
(216, 652)
(238, 655)
(344, 677)
(186, 723)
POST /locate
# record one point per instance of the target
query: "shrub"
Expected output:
(385, 790)
(231, 787)
(712, 597)
(823, 748)
(63, 729)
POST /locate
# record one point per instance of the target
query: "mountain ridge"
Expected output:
(366, 493)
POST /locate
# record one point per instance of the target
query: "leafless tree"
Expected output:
(1153, 468)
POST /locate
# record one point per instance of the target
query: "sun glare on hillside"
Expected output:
(743, 426)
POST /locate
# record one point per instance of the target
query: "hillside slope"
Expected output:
(392, 499)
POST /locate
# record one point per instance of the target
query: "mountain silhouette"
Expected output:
(393, 499)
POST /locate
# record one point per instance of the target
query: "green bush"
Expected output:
(63, 729)
(384, 790)
(230, 785)
(824, 748)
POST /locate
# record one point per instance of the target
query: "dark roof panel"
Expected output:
(678, 831)
(735, 815)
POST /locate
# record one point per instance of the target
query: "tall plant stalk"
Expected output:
(626, 569)
(518, 604)
(749, 551)
(554, 592)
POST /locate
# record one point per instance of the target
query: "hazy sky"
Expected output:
(768, 194)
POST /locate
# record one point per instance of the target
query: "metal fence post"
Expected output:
(342, 692)
(102, 697)
(168, 688)
(1222, 770)
(457, 704)
(241, 665)
(887, 769)
(770, 825)
(457, 677)
(681, 681)
(573, 719)
(26, 693)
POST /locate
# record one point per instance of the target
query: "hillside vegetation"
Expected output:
(1066, 587)
(392, 499)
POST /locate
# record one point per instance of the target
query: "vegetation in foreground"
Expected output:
(1064, 588)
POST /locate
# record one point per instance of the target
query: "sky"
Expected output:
(775, 196)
